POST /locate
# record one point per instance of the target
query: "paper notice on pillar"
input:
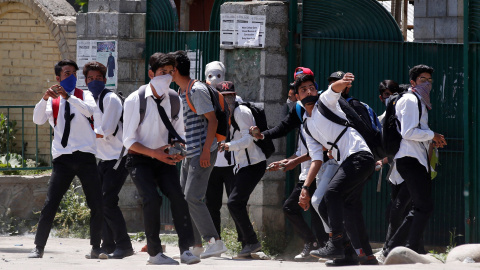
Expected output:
(228, 35)
(260, 19)
(248, 34)
(107, 55)
(196, 65)
(86, 52)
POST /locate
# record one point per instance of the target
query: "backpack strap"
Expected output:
(174, 104)
(187, 91)
(337, 120)
(55, 107)
(102, 96)
(299, 109)
(143, 102)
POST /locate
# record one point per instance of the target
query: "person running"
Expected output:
(200, 126)
(109, 134)
(68, 110)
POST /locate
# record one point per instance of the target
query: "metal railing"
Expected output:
(8, 121)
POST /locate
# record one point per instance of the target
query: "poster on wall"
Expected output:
(242, 30)
(103, 51)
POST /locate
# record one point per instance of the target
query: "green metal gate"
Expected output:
(336, 36)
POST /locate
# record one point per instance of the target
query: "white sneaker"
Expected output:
(161, 258)
(214, 248)
(196, 251)
(188, 258)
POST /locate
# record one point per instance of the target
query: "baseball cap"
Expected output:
(335, 76)
(302, 70)
(226, 87)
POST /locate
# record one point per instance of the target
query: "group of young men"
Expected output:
(155, 127)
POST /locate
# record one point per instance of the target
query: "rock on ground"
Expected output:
(403, 255)
(460, 253)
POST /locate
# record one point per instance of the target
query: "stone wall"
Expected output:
(123, 21)
(438, 21)
(260, 75)
(34, 36)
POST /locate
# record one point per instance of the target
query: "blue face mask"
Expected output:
(96, 87)
(69, 83)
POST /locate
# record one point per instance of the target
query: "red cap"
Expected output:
(302, 70)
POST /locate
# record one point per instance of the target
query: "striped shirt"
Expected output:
(196, 124)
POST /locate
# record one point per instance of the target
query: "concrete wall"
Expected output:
(259, 75)
(33, 37)
(123, 21)
(438, 21)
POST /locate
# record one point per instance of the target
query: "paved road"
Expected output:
(69, 253)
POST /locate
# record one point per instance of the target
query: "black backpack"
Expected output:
(391, 138)
(372, 137)
(261, 121)
(100, 104)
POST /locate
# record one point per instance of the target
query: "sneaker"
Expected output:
(121, 253)
(196, 251)
(305, 254)
(97, 253)
(333, 250)
(342, 262)
(214, 248)
(36, 253)
(368, 260)
(188, 258)
(161, 258)
(249, 249)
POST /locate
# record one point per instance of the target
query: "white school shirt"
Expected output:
(221, 160)
(324, 130)
(242, 140)
(302, 150)
(109, 147)
(81, 137)
(415, 140)
(151, 133)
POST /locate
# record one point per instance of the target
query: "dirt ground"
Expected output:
(69, 253)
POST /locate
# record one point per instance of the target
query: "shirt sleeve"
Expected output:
(200, 98)
(244, 118)
(330, 99)
(85, 106)
(178, 124)
(315, 149)
(131, 120)
(290, 122)
(408, 115)
(299, 148)
(111, 114)
(42, 111)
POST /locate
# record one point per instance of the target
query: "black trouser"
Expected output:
(65, 167)
(148, 174)
(114, 233)
(343, 198)
(214, 196)
(246, 180)
(419, 186)
(400, 202)
(293, 212)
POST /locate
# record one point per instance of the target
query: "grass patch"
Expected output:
(442, 256)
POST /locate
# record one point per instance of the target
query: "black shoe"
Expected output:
(249, 249)
(121, 253)
(365, 260)
(36, 253)
(333, 250)
(342, 262)
(305, 254)
(97, 253)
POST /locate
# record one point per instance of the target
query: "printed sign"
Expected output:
(242, 30)
(103, 51)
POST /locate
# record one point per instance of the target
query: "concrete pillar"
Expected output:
(260, 75)
(123, 21)
(438, 21)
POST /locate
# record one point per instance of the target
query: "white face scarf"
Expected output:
(161, 83)
(214, 73)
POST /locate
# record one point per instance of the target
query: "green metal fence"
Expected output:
(8, 129)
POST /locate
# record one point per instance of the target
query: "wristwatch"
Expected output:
(305, 187)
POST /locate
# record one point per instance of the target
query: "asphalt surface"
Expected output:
(69, 253)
